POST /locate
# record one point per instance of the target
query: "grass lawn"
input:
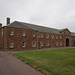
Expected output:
(56, 62)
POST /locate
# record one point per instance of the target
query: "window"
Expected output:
(38, 35)
(60, 37)
(57, 44)
(23, 33)
(56, 36)
(67, 33)
(41, 35)
(41, 43)
(11, 33)
(52, 36)
(33, 44)
(33, 34)
(47, 43)
(47, 36)
(23, 45)
(60, 43)
(2, 32)
(11, 45)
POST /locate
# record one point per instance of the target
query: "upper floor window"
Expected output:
(23, 34)
(33, 44)
(2, 32)
(47, 36)
(67, 33)
(52, 36)
(38, 35)
(33, 34)
(11, 44)
(11, 33)
(60, 37)
(41, 35)
(24, 44)
(56, 36)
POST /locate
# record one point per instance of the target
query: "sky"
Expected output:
(58, 14)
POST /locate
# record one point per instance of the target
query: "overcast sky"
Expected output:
(57, 14)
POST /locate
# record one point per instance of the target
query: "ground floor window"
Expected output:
(74, 43)
(56, 43)
(33, 44)
(41, 43)
(60, 43)
(47, 43)
(24, 44)
(11, 44)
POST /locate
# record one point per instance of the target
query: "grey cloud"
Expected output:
(51, 13)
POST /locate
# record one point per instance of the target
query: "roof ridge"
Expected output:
(41, 26)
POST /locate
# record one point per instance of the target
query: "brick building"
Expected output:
(22, 36)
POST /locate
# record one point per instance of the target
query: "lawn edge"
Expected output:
(34, 66)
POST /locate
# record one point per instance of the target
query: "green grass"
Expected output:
(56, 62)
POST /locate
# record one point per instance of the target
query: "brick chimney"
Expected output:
(0, 25)
(8, 20)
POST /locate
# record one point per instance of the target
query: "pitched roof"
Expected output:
(34, 27)
(72, 34)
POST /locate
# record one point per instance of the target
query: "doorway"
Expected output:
(38, 45)
(52, 44)
(67, 42)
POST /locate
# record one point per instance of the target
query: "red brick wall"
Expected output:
(1, 39)
(18, 39)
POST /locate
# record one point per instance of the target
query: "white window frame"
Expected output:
(23, 44)
(47, 36)
(60, 37)
(11, 33)
(33, 34)
(33, 44)
(56, 36)
(60, 43)
(23, 34)
(11, 45)
(2, 32)
(52, 36)
(41, 35)
(41, 43)
(38, 35)
(57, 43)
(47, 43)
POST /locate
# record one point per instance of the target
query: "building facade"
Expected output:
(23, 36)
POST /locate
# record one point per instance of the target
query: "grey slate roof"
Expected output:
(72, 34)
(36, 28)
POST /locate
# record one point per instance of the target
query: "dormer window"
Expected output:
(11, 33)
(23, 33)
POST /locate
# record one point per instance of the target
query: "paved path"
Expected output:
(10, 65)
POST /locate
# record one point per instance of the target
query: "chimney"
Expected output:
(0, 25)
(8, 20)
